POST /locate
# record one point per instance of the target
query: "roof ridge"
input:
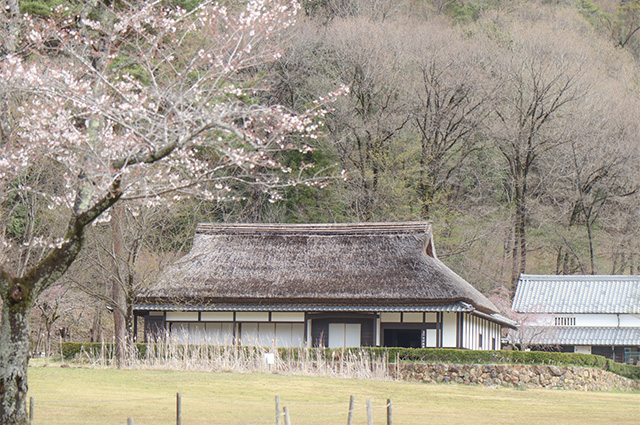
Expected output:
(315, 228)
(574, 277)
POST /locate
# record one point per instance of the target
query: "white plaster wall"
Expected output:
(537, 319)
(630, 320)
(251, 316)
(412, 317)
(391, 317)
(449, 330)
(432, 335)
(596, 319)
(489, 331)
(430, 317)
(287, 317)
(182, 316)
(586, 319)
(473, 327)
(216, 316)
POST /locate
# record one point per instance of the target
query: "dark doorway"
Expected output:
(410, 338)
(153, 328)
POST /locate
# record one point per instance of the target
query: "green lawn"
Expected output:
(104, 396)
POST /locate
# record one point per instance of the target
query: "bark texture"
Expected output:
(14, 358)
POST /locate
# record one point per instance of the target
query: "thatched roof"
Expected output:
(358, 263)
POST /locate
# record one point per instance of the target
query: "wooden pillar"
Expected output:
(135, 327)
(309, 332)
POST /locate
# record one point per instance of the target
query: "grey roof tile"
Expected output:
(457, 307)
(577, 294)
(579, 335)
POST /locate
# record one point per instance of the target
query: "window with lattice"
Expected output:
(565, 321)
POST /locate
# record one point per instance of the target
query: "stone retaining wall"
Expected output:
(529, 376)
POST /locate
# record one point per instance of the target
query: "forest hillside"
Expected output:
(512, 125)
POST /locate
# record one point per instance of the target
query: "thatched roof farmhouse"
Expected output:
(319, 284)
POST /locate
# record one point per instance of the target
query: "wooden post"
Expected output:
(352, 401)
(178, 409)
(30, 410)
(277, 410)
(287, 421)
(389, 412)
(369, 412)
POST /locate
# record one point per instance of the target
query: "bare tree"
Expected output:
(587, 179)
(536, 98)
(448, 109)
(365, 123)
(124, 257)
(623, 22)
(598, 176)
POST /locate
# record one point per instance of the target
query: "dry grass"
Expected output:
(170, 354)
(106, 396)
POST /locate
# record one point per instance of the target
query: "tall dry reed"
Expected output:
(172, 354)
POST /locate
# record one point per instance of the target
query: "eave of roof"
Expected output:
(457, 307)
(584, 335)
(495, 317)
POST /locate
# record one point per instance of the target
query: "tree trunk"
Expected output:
(118, 291)
(12, 16)
(18, 296)
(520, 224)
(120, 327)
(14, 359)
(96, 328)
(522, 237)
(514, 255)
(591, 253)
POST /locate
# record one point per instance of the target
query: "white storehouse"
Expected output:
(585, 314)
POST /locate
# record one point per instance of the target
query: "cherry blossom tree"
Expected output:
(134, 105)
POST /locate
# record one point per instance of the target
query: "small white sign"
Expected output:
(269, 358)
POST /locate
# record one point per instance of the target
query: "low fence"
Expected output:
(281, 416)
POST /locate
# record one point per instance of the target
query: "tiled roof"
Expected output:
(577, 294)
(579, 335)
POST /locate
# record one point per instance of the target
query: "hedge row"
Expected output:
(444, 355)
(427, 355)
(70, 350)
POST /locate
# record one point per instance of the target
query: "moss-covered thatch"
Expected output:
(363, 263)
